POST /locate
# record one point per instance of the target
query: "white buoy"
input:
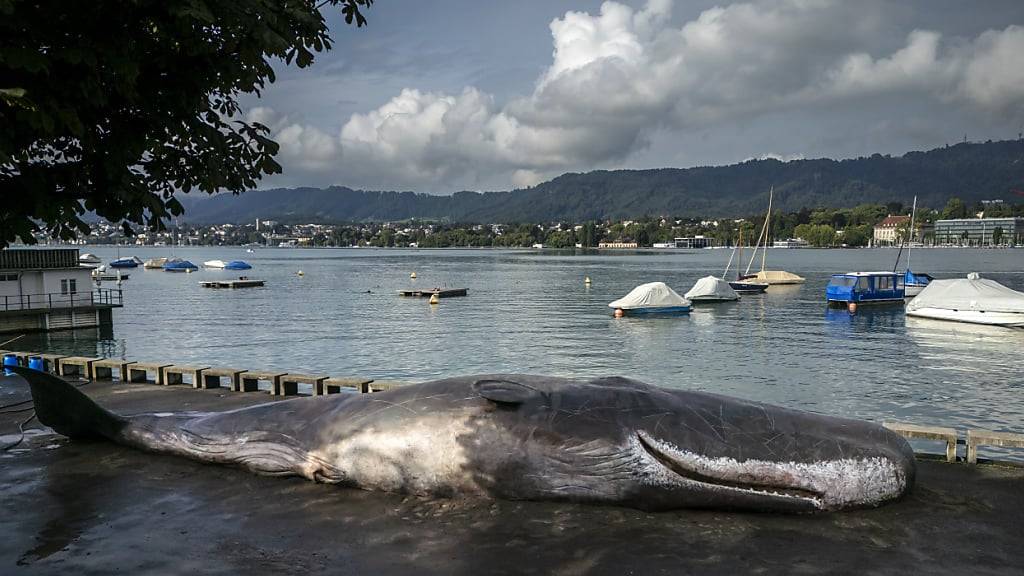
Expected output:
(413, 275)
(300, 273)
(586, 280)
(434, 299)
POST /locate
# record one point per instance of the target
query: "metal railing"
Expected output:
(53, 300)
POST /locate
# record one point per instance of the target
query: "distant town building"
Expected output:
(695, 242)
(47, 289)
(617, 245)
(791, 243)
(886, 230)
(979, 232)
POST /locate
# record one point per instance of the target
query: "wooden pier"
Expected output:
(240, 283)
(440, 292)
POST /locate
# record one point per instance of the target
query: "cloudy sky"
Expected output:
(452, 95)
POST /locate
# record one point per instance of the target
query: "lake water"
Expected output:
(529, 311)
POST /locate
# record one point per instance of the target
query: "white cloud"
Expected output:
(618, 76)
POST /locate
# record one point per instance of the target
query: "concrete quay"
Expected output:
(75, 507)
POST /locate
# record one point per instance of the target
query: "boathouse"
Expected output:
(46, 289)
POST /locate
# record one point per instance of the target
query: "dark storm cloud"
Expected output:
(640, 86)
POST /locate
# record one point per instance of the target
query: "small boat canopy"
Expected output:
(89, 258)
(916, 278)
(650, 295)
(237, 265)
(712, 288)
(214, 263)
(971, 293)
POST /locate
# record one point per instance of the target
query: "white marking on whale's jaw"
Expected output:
(826, 484)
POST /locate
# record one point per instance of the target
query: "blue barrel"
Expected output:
(9, 360)
(36, 363)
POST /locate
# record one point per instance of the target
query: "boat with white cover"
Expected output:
(214, 264)
(973, 299)
(652, 298)
(89, 260)
(711, 289)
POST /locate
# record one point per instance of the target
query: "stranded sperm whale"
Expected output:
(607, 440)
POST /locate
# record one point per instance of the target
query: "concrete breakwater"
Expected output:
(278, 383)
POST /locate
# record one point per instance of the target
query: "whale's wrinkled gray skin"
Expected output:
(608, 440)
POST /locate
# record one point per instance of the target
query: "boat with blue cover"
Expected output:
(132, 262)
(865, 288)
(915, 282)
(179, 265)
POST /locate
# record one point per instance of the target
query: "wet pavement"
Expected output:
(96, 508)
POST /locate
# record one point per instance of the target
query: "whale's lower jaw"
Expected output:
(822, 485)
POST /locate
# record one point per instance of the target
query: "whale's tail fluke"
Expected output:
(66, 409)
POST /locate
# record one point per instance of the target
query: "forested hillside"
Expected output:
(971, 171)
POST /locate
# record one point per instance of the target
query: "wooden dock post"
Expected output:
(927, 433)
(334, 385)
(76, 366)
(290, 383)
(105, 369)
(139, 372)
(251, 380)
(176, 374)
(50, 362)
(211, 378)
(978, 437)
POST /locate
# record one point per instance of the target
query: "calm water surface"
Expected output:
(529, 311)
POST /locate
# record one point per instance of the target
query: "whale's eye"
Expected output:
(505, 391)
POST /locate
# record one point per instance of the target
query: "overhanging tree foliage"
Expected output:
(112, 106)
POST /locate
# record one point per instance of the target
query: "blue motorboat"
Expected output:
(865, 288)
(237, 265)
(179, 265)
(132, 262)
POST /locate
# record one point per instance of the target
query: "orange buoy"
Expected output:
(619, 313)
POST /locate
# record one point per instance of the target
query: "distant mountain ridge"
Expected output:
(971, 171)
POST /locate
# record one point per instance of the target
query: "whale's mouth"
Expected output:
(722, 478)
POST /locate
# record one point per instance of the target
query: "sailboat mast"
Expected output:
(767, 227)
(741, 252)
(910, 233)
(757, 244)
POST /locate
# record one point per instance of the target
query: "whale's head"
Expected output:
(618, 440)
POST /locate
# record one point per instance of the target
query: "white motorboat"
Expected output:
(973, 299)
(711, 289)
(214, 264)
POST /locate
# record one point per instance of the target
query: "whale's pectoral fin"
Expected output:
(505, 391)
(66, 409)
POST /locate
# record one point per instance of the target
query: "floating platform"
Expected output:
(246, 283)
(441, 293)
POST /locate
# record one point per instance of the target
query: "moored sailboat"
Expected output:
(770, 277)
